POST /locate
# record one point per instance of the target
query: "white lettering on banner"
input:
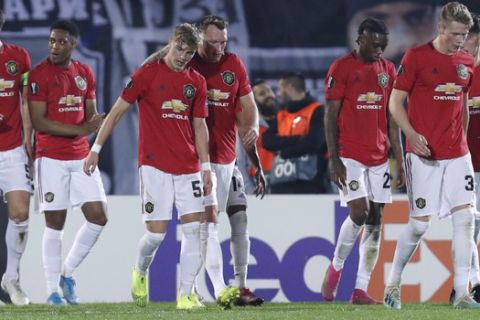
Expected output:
(429, 272)
(7, 94)
(40, 10)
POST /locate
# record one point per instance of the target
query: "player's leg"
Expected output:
(15, 181)
(378, 186)
(189, 204)
(355, 196)
(52, 192)
(475, 269)
(157, 193)
(240, 240)
(86, 192)
(458, 191)
(210, 244)
(424, 180)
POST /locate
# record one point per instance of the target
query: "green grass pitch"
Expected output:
(274, 311)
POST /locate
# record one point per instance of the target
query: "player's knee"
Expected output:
(19, 214)
(419, 227)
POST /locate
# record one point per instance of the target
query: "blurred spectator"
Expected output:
(410, 22)
(297, 136)
(268, 108)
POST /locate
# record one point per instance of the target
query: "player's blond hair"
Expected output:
(188, 34)
(456, 12)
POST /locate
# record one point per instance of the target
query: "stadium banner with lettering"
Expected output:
(292, 243)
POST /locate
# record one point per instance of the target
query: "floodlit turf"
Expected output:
(274, 311)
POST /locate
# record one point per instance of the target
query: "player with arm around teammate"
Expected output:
(173, 157)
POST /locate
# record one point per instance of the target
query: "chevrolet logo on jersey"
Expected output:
(448, 88)
(215, 94)
(369, 97)
(175, 105)
(70, 100)
(474, 102)
(6, 84)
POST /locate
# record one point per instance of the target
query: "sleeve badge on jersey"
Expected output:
(34, 88)
(228, 77)
(383, 80)
(81, 83)
(331, 82)
(462, 72)
(12, 67)
(401, 69)
(189, 91)
(129, 84)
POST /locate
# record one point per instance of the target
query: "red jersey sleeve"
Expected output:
(336, 81)
(37, 83)
(200, 108)
(407, 73)
(91, 84)
(135, 86)
(244, 87)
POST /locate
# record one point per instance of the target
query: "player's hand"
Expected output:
(207, 182)
(419, 145)
(401, 179)
(93, 124)
(338, 172)
(260, 183)
(248, 137)
(90, 163)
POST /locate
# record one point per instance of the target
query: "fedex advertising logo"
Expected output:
(291, 249)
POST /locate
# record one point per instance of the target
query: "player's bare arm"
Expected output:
(247, 121)
(397, 110)
(40, 122)
(27, 125)
(260, 181)
(115, 114)
(157, 55)
(466, 114)
(338, 173)
(201, 144)
(396, 145)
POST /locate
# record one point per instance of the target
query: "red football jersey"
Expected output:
(473, 134)
(65, 90)
(436, 83)
(167, 103)
(364, 90)
(14, 61)
(226, 82)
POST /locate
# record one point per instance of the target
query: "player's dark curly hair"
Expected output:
(372, 25)
(66, 25)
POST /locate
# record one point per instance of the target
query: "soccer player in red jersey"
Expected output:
(436, 78)
(472, 46)
(173, 140)
(358, 86)
(15, 181)
(231, 107)
(63, 112)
